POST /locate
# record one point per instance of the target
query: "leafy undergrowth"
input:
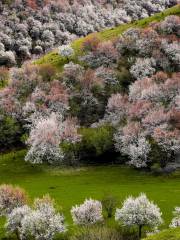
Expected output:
(170, 234)
(54, 59)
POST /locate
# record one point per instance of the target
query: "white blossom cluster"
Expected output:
(143, 67)
(58, 22)
(66, 51)
(14, 219)
(172, 51)
(139, 211)
(44, 141)
(137, 149)
(40, 223)
(88, 213)
(176, 220)
(46, 134)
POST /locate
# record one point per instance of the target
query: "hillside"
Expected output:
(54, 59)
(94, 122)
(32, 27)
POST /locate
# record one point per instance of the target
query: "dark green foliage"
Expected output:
(10, 132)
(4, 77)
(124, 78)
(109, 204)
(71, 153)
(86, 108)
(157, 155)
(8, 2)
(96, 141)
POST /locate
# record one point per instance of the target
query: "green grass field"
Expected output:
(72, 186)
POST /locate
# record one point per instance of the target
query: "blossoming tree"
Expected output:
(140, 212)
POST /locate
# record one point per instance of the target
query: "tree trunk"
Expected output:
(140, 231)
(17, 235)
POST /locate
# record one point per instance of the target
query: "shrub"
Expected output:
(90, 43)
(7, 58)
(96, 141)
(66, 51)
(176, 220)
(47, 72)
(14, 219)
(109, 204)
(11, 198)
(88, 213)
(10, 132)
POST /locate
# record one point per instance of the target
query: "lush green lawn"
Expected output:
(72, 186)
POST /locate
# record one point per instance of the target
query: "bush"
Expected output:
(10, 132)
(86, 107)
(71, 153)
(96, 141)
(109, 204)
(47, 72)
(88, 213)
(7, 58)
(11, 198)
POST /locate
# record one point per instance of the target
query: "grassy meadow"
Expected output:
(71, 186)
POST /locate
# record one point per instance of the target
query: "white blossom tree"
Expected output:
(88, 213)
(44, 140)
(14, 220)
(143, 67)
(140, 212)
(131, 141)
(176, 220)
(42, 223)
(66, 51)
(7, 58)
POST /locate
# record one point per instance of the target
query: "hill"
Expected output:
(32, 27)
(54, 59)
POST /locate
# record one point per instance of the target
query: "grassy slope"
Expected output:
(72, 186)
(57, 61)
(170, 234)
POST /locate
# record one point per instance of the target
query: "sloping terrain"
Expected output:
(57, 61)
